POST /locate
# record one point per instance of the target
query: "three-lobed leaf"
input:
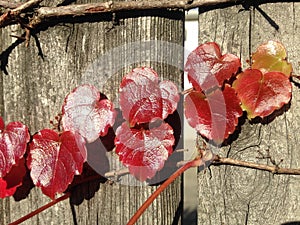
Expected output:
(215, 115)
(84, 112)
(271, 57)
(144, 151)
(13, 142)
(262, 93)
(54, 160)
(143, 98)
(208, 68)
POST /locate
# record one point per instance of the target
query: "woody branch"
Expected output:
(14, 11)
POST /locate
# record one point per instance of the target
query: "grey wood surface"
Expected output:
(230, 195)
(34, 89)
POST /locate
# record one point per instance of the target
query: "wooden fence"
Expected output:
(35, 79)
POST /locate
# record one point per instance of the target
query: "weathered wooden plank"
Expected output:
(231, 195)
(34, 89)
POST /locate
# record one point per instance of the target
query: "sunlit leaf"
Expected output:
(208, 68)
(13, 142)
(54, 160)
(261, 94)
(214, 116)
(144, 151)
(143, 98)
(271, 56)
(84, 112)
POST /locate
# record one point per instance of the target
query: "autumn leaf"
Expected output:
(214, 116)
(13, 142)
(261, 94)
(84, 112)
(271, 57)
(12, 180)
(143, 98)
(208, 68)
(4, 190)
(144, 151)
(54, 160)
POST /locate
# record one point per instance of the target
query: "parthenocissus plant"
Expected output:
(144, 141)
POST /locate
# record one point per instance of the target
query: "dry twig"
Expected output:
(13, 16)
(30, 15)
(275, 169)
(45, 14)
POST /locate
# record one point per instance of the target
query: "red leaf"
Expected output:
(144, 151)
(4, 191)
(13, 143)
(208, 68)
(2, 125)
(12, 180)
(261, 94)
(214, 116)
(170, 97)
(85, 113)
(271, 57)
(54, 160)
(143, 98)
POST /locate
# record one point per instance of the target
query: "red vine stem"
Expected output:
(139, 212)
(37, 211)
(217, 161)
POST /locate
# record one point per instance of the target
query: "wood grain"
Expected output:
(35, 87)
(231, 195)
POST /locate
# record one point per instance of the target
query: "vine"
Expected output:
(221, 93)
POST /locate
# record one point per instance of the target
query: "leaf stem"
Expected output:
(37, 211)
(184, 92)
(162, 187)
